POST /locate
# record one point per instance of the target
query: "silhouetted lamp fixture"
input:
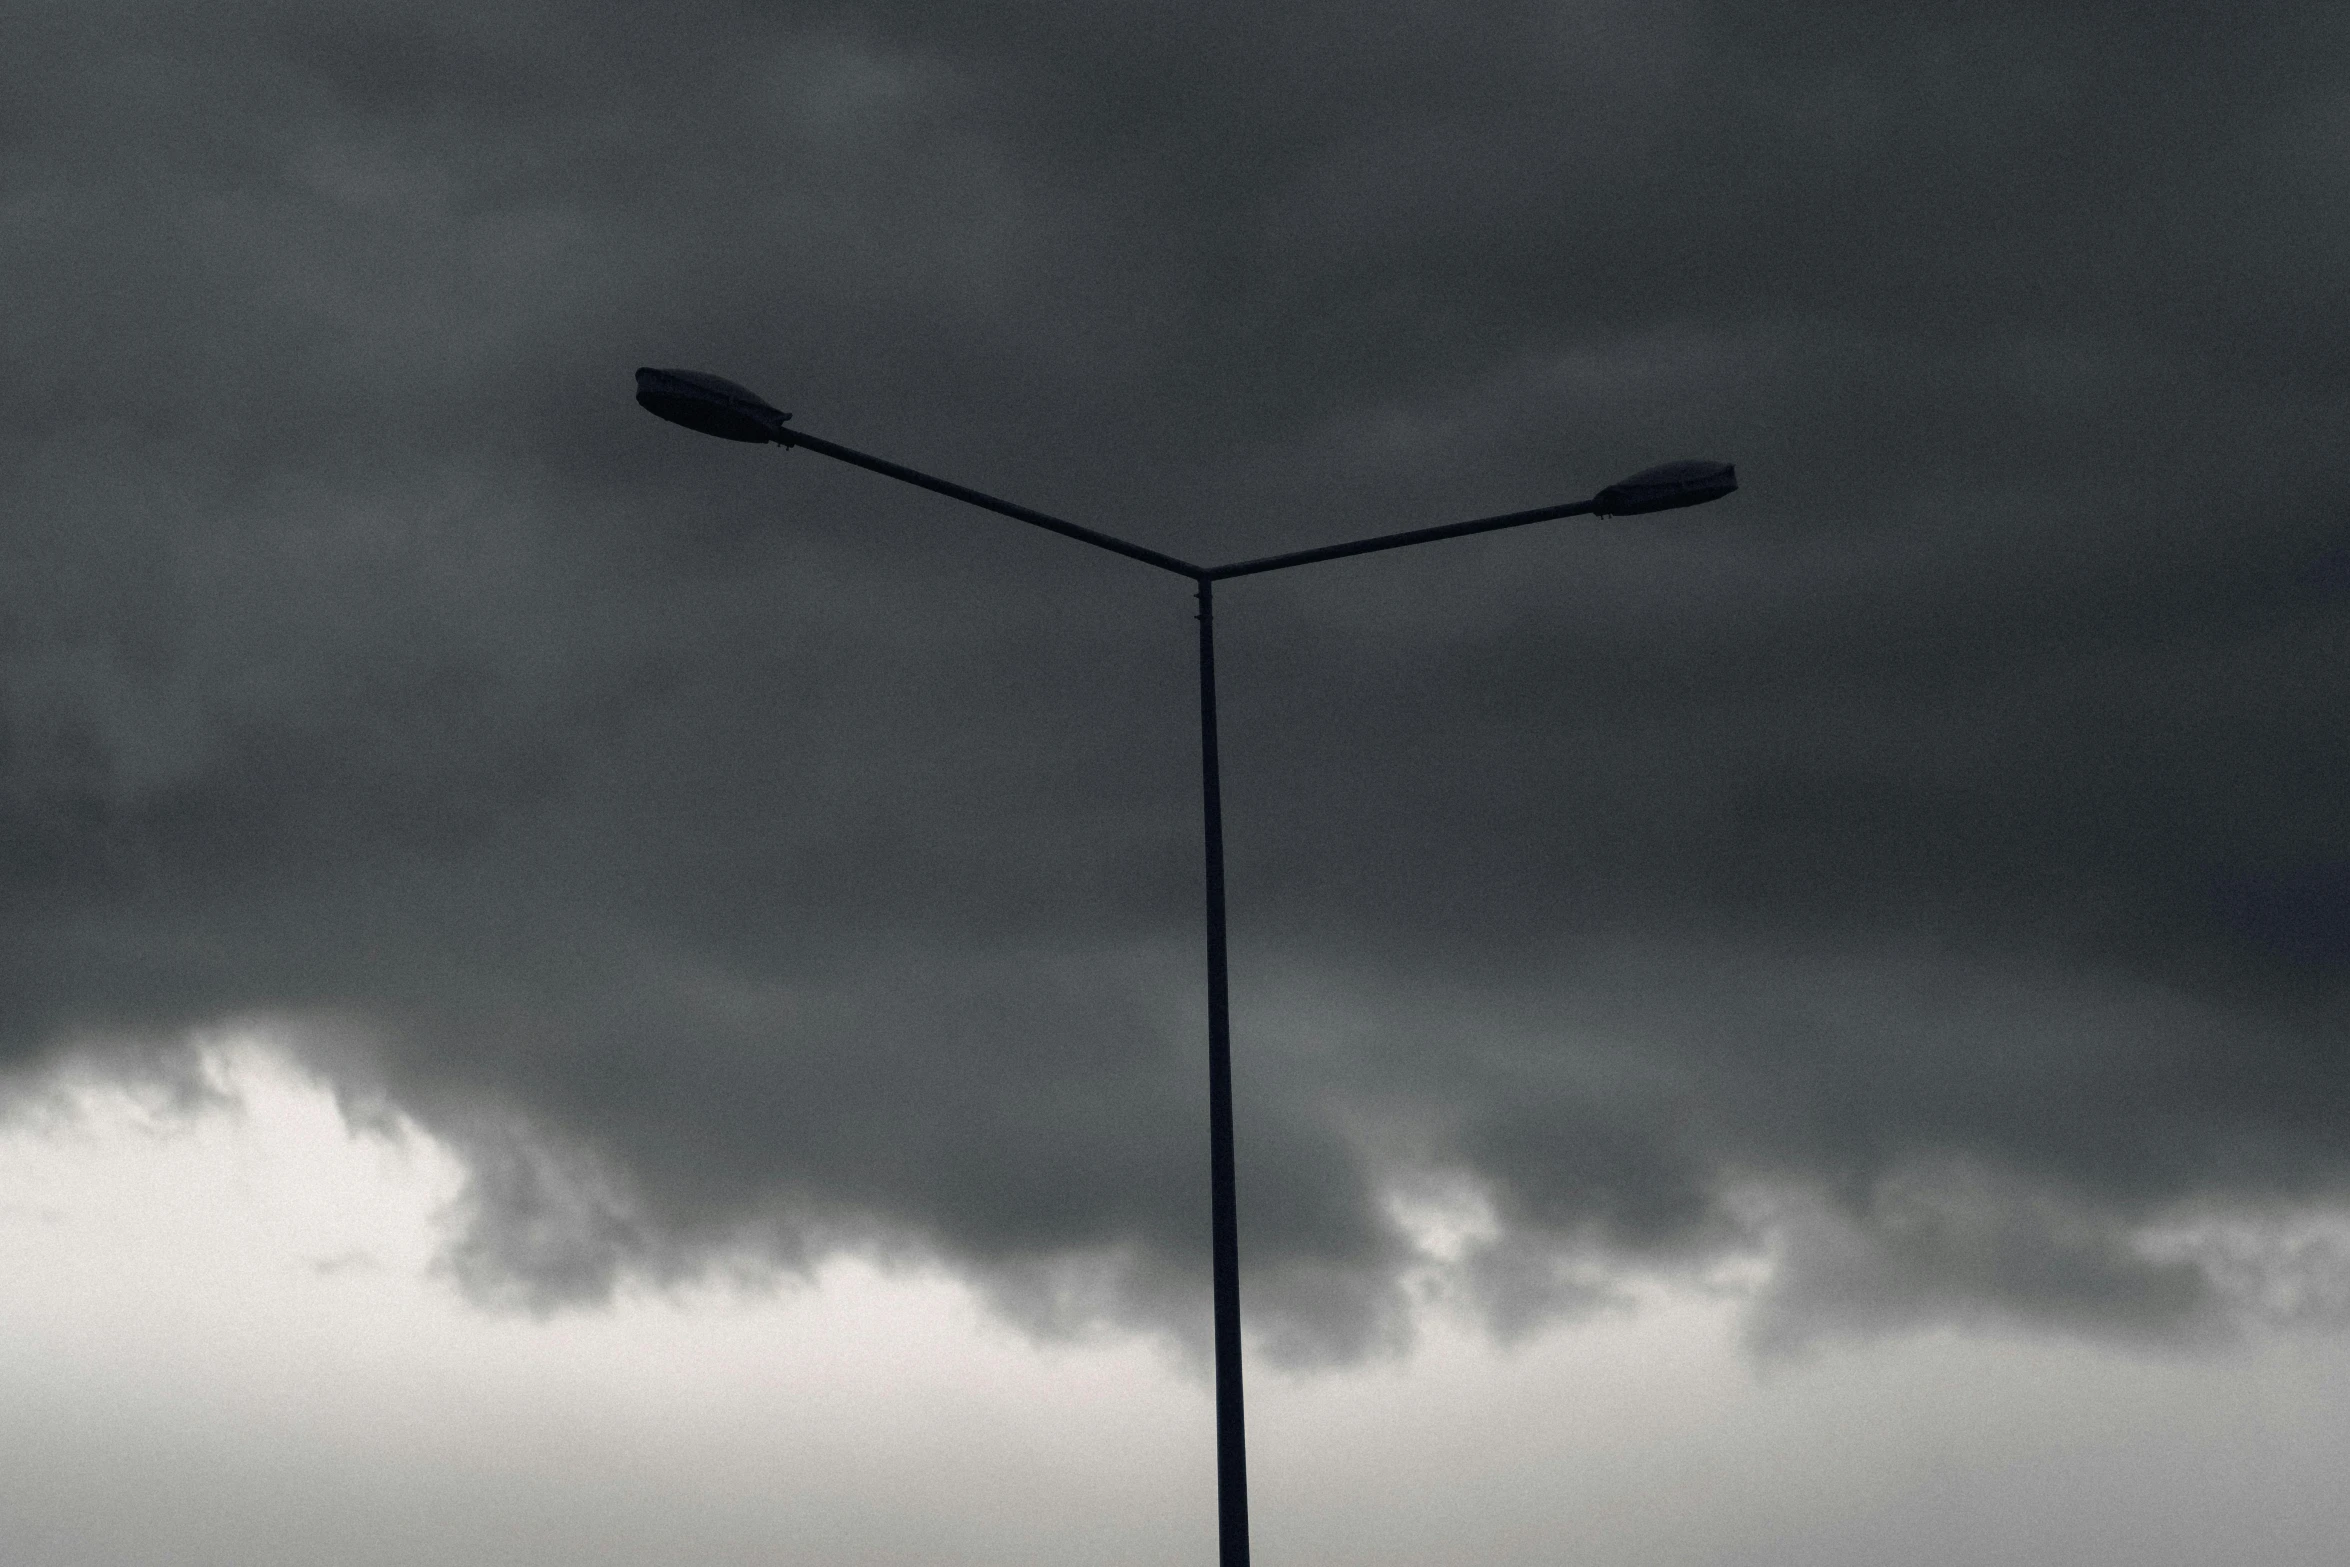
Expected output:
(719, 407)
(1662, 488)
(711, 404)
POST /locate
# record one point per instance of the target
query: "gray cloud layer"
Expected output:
(1933, 857)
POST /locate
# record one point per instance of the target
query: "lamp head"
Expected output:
(711, 404)
(1666, 486)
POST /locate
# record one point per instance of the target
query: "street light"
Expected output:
(715, 406)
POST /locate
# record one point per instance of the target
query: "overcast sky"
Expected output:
(1910, 898)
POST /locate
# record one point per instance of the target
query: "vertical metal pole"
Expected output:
(1223, 1198)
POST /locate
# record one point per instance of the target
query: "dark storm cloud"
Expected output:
(1930, 859)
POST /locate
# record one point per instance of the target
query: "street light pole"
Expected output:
(1223, 1188)
(719, 407)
